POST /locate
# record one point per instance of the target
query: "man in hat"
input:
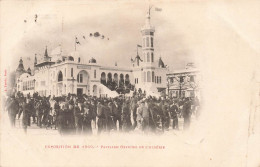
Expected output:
(100, 117)
(125, 118)
(78, 114)
(134, 107)
(186, 113)
(39, 111)
(13, 108)
(87, 117)
(174, 115)
(143, 117)
(27, 107)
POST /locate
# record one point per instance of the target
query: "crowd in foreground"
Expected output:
(74, 114)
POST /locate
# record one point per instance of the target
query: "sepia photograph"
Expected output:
(116, 83)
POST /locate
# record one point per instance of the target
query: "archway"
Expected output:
(109, 80)
(82, 82)
(127, 80)
(103, 78)
(121, 81)
(60, 76)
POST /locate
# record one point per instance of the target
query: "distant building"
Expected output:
(185, 82)
(60, 74)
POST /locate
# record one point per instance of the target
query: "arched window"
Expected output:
(148, 57)
(79, 59)
(147, 41)
(60, 76)
(152, 57)
(148, 76)
(71, 58)
(151, 41)
(153, 76)
(103, 78)
(127, 80)
(144, 57)
(121, 80)
(83, 77)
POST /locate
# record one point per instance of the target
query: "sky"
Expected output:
(176, 30)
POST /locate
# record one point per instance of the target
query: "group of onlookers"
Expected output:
(74, 114)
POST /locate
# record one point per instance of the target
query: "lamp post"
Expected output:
(168, 86)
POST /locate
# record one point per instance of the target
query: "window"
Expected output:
(148, 76)
(181, 79)
(171, 80)
(65, 72)
(144, 57)
(137, 80)
(148, 57)
(71, 72)
(79, 59)
(144, 76)
(95, 73)
(151, 41)
(192, 78)
(152, 57)
(153, 76)
(143, 42)
(60, 76)
(147, 41)
(80, 78)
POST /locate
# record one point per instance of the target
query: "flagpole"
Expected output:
(75, 43)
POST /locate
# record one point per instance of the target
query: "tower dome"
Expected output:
(92, 60)
(20, 67)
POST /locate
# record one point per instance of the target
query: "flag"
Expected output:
(77, 41)
(96, 34)
(35, 20)
(139, 46)
(158, 9)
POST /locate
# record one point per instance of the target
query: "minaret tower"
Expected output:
(148, 41)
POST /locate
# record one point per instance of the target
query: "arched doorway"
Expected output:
(109, 80)
(116, 78)
(103, 78)
(60, 76)
(82, 82)
(127, 80)
(121, 81)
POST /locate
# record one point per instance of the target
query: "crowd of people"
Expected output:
(74, 114)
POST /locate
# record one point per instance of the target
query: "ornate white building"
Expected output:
(61, 74)
(185, 82)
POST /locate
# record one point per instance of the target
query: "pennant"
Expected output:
(35, 18)
(77, 41)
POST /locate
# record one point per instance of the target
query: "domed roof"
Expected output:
(92, 60)
(20, 67)
(161, 63)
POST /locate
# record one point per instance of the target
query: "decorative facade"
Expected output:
(60, 74)
(184, 83)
